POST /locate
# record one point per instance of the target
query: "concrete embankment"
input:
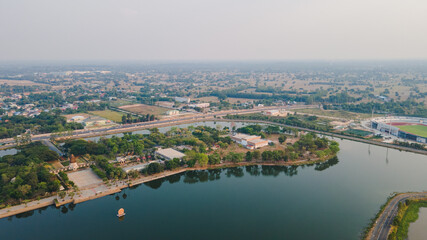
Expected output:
(159, 176)
(90, 194)
(98, 195)
(10, 211)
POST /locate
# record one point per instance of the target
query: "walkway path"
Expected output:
(6, 212)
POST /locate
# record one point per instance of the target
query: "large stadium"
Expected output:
(410, 128)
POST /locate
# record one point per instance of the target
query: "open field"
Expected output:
(120, 103)
(239, 100)
(208, 99)
(335, 113)
(19, 82)
(109, 114)
(84, 178)
(144, 109)
(420, 130)
(358, 132)
(69, 116)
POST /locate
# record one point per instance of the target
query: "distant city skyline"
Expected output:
(208, 30)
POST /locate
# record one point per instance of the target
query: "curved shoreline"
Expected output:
(90, 194)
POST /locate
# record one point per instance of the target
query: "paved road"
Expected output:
(52, 147)
(383, 224)
(132, 126)
(84, 133)
(382, 144)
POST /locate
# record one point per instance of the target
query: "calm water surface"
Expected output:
(10, 151)
(334, 200)
(418, 229)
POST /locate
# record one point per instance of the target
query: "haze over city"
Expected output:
(212, 30)
(213, 119)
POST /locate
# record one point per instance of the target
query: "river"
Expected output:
(329, 201)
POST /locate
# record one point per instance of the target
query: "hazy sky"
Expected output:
(212, 29)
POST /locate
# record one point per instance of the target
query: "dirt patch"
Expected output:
(19, 82)
(84, 179)
(144, 109)
(69, 116)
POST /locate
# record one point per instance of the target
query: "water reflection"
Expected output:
(65, 208)
(386, 157)
(25, 214)
(253, 170)
(325, 165)
(200, 176)
(235, 172)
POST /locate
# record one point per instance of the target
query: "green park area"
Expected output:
(420, 130)
(407, 214)
(358, 132)
(109, 114)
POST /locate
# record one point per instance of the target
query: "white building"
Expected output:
(182, 99)
(272, 113)
(169, 154)
(200, 105)
(172, 112)
(249, 141)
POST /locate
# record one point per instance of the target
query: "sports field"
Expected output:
(108, 114)
(420, 130)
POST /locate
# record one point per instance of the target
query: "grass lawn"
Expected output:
(108, 114)
(120, 103)
(145, 109)
(419, 130)
(358, 132)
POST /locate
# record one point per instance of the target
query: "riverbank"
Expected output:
(175, 122)
(102, 190)
(382, 224)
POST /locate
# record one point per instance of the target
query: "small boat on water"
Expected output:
(121, 212)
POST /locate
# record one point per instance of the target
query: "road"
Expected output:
(382, 226)
(85, 133)
(141, 125)
(52, 147)
(382, 144)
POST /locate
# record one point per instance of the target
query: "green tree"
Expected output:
(256, 155)
(282, 139)
(249, 156)
(214, 158)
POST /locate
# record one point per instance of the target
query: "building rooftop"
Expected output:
(245, 136)
(257, 140)
(170, 153)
